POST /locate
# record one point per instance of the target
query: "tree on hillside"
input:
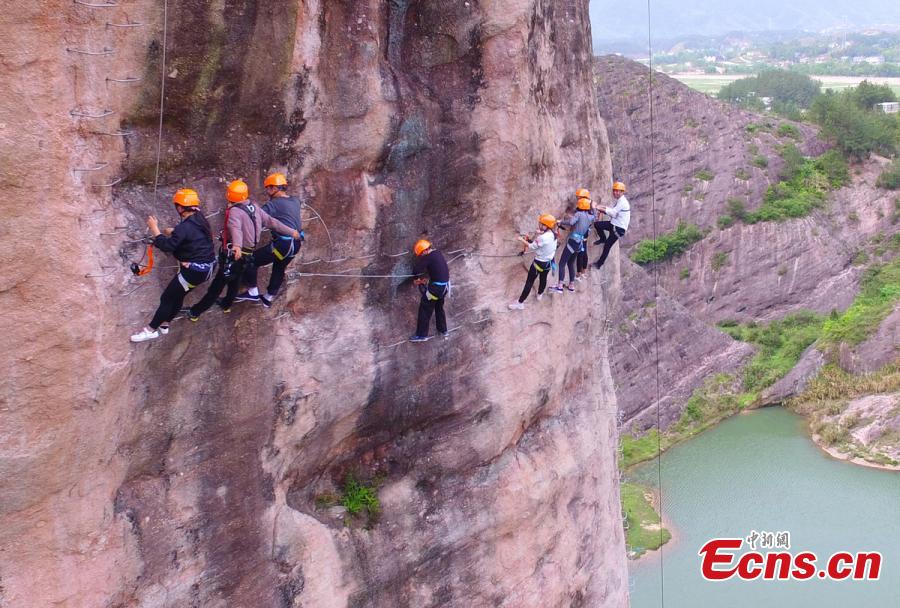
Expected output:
(857, 132)
(789, 91)
(866, 94)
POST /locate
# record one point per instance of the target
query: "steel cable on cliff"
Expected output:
(162, 96)
(662, 589)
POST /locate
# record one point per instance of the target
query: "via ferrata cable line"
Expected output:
(662, 593)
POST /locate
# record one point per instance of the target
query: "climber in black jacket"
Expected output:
(434, 289)
(191, 244)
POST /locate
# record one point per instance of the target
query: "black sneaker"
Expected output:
(247, 297)
(267, 302)
(420, 338)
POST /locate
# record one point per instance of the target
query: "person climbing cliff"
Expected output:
(240, 234)
(578, 226)
(434, 289)
(615, 228)
(281, 251)
(192, 245)
(544, 247)
(582, 261)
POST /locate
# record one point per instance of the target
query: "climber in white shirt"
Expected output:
(615, 228)
(544, 248)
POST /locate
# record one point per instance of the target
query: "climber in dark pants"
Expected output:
(191, 244)
(615, 228)
(434, 289)
(281, 251)
(243, 224)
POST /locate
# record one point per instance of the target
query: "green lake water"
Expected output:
(760, 471)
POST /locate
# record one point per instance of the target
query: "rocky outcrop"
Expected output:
(794, 382)
(882, 348)
(186, 472)
(866, 431)
(689, 351)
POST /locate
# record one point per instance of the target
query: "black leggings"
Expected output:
(218, 283)
(608, 234)
(537, 269)
(173, 295)
(582, 258)
(568, 259)
(286, 250)
(433, 304)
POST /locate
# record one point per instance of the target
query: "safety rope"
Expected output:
(662, 589)
(162, 96)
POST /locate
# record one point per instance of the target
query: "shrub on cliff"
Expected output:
(857, 132)
(668, 245)
(890, 177)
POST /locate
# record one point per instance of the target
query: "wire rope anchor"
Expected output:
(126, 80)
(115, 182)
(96, 4)
(119, 133)
(98, 167)
(81, 114)
(105, 51)
(126, 24)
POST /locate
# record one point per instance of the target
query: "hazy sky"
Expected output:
(627, 19)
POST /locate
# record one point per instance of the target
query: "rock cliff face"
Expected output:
(745, 272)
(186, 471)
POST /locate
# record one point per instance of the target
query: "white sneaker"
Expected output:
(540, 297)
(517, 306)
(163, 329)
(579, 279)
(144, 335)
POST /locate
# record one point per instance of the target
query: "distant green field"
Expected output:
(710, 84)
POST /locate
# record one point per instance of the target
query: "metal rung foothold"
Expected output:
(105, 51)
(119, 133)
(96, 4)
(126, 80)
(99, 166)
(79, 114)
(109, 185)
(128, 24)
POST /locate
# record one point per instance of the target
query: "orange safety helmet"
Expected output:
(547, 220)
(583, 193)
(237, 191)
(421, 247)
(619, 186)
(584, 204)
(276, 179)
(186, 198)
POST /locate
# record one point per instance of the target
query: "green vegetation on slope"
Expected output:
(848, 118)
(718, 398)
(643, 531)
(879, 292)
(668, 245)
(780, 344)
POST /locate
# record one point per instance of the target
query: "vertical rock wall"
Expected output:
(186, 471)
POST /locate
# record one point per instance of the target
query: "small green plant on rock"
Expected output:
(719, 261)
(760, 161)
(742, 174)
(704, 175)
(358, 498)
(684, 274)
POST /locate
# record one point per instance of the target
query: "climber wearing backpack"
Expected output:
(434, 289)
(191, 244)
(578, 226)
(612, 230)
(240, 234)
(544, 247)
(281, 251)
